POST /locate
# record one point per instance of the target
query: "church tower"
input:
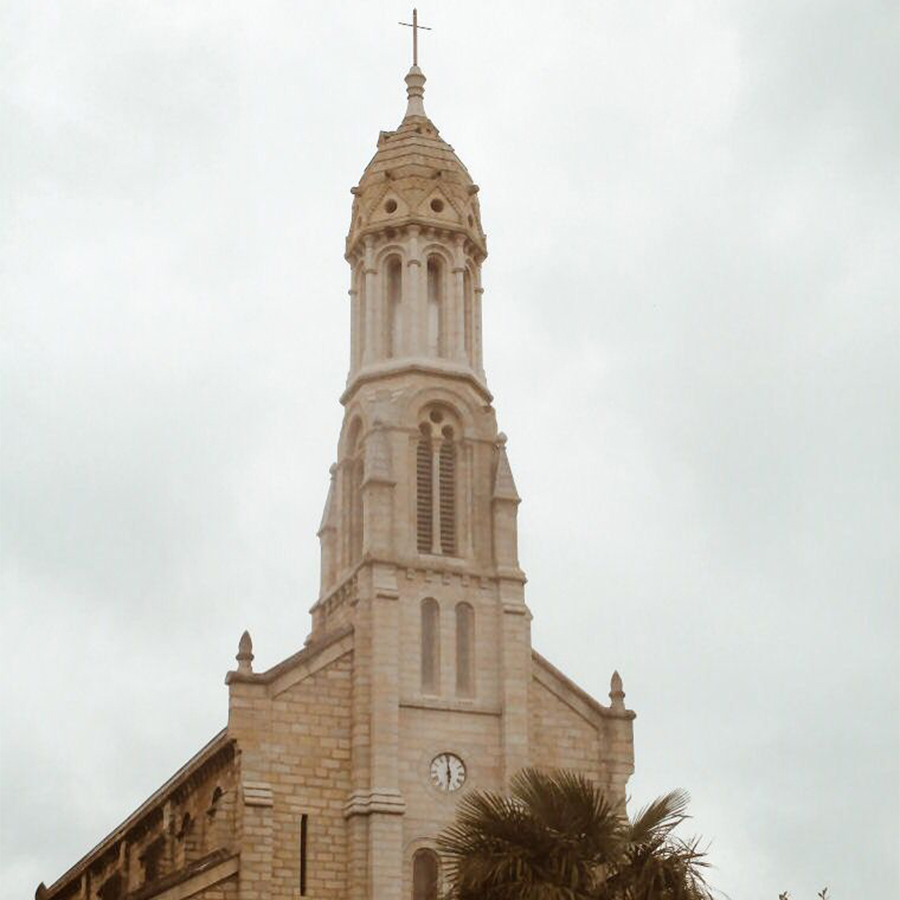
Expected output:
(418, 537)
(339, 766)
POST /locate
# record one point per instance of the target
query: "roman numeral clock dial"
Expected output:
(448, 772)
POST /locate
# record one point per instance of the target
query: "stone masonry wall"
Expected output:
(295, 760)
(559, 737)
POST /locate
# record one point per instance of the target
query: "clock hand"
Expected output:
(448, 771)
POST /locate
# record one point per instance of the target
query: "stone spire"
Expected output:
(616, 694)
(504, 483)
(245, 654)
(415, 91)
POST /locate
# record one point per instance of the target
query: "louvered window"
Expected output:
(424, 495)
(447, 475)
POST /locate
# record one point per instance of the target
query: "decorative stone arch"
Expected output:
(350, 478)
(391, 263)
(434, 395)
(391, 249)
(437, 248)
(440, 480)
(354, 428)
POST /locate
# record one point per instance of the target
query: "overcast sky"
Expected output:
(691, 332)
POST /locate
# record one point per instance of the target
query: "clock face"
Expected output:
(448, 772)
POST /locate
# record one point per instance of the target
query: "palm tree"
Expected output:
(555, 837)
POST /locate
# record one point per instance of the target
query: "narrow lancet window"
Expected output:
(304, 834)
(356, 511)
(424, 492)
(447, 490)
(465, 650)
(468, 307)
(435, 306)
(425, 875)
(392, 323)
(431, 646)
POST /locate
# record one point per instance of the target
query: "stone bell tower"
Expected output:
(340, 765)
(418, 537)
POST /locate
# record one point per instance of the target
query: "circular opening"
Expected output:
(425, 429)
(390, 206)
(447, 432)
(436, 416)
(437, 205)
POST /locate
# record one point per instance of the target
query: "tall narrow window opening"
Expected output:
(431, 646)
(304, 819)
(424, 491)
(356, 511)
(425, 875)
(435, 306)
(447, 489)
(392, 323)
(468, 305)
(465, 650)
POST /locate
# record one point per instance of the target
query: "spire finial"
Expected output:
(616, 694)
(415, 27)
(245, 653)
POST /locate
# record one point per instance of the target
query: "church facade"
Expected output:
(338, 768)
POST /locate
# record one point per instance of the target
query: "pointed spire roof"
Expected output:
(415, 176)
(329, 518)
(504, 483)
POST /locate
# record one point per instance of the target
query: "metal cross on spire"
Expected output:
(415, 27)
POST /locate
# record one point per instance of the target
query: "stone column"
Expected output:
(458, 344)
(354, 329)
(618, 743)
(377, 493)
(476, 330)
(386, 806)
(515, 651)
(411, 291)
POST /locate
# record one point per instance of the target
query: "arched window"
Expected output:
(424, 491)
(426, 871)
(436, 339)
(431, 646)
(468, 307)
(465, 650)
(392, 319)
(436, 484)
(356, 512)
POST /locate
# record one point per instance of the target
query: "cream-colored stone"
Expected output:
(341, 735)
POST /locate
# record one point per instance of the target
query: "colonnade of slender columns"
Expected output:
(459, 328)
